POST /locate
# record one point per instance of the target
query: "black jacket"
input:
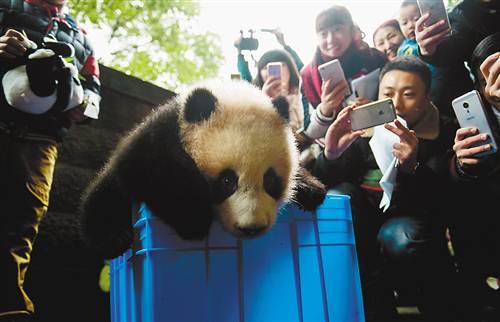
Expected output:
(425, 189)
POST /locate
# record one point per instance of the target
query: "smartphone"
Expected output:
(470, 112)
(274, 69)
(437, 10)
(333, 70)
(372, 114)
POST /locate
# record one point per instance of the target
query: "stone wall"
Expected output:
(63, 276)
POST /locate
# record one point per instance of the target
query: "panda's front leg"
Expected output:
(106, 216)
(309, 191)
(184, 200)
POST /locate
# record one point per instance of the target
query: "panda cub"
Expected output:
(219, 152)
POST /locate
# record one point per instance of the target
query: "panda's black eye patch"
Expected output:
(273, 184)
(225, 185)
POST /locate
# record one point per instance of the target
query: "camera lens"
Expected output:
(466, 105)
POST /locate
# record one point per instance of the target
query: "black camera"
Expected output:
(249, 44)
(466, 105)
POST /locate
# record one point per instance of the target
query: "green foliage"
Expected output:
(155, 40)
(451, 3)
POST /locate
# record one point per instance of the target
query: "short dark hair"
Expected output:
(277, 55)
(410, 64)
(335, 15)
(393, 23)
(485, 48)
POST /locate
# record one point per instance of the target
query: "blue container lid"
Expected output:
(335, 201)
(335, 207)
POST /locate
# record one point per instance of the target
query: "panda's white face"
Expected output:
(248, 154)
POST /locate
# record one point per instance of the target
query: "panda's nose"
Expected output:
(251, 231)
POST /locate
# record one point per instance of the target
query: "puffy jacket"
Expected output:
(38, 19)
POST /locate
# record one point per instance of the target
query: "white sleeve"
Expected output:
(319, 124)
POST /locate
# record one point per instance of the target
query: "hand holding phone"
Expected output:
(340, 136)
(437, 12)
(333, 71)
(273, 86)
(470, 113)
(372, 114)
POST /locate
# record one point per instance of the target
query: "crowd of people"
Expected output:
(443, 190)
(446, 182)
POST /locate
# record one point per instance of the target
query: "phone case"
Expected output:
(372, 114)
(333, 70)
(469, 110)
(437, 10)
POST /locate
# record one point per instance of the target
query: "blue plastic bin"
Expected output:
(304, 269)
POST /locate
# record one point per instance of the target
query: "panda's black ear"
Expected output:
(282, 106)
(200, 104)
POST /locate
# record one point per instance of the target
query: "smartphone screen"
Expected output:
(274, 70)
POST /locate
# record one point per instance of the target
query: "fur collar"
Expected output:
(427, 127)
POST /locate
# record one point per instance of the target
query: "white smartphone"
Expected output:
(367, 85)
(372, 114)
(437, 10)
(274, 69)
(470, 112)
(333, 70)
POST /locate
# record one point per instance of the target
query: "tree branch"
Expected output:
(114, 29)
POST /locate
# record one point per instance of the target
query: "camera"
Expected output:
(466, 105)
(249, 44)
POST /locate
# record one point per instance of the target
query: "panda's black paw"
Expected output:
(194, 224)
(190, 218)
(191, 232)
(310, 192)
(113, 246)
